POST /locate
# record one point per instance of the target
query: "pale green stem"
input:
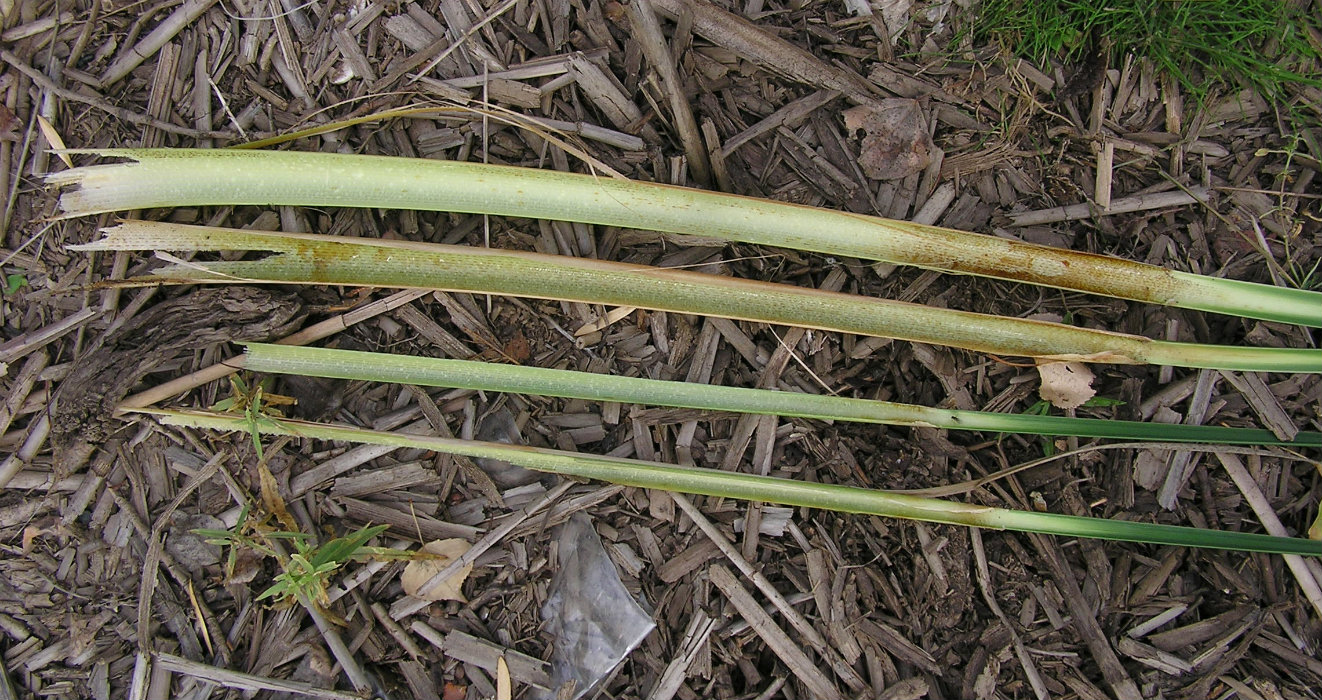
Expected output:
(845, 499)
(167, 178)
(484, 376)
(313, 259)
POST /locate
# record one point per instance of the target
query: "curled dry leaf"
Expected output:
(895, 141)
(247, 564)
(419, 571)
(1066, 384)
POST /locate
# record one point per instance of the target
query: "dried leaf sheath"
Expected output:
(310, 258)
(166, 177)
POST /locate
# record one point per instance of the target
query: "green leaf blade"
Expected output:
(752, 487)
(165, 177)
(482, 376)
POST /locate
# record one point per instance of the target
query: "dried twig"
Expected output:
(245, 681)
(1124, 205)
(150, 44)
(643, 19)
(1304, 571)
(794, 617)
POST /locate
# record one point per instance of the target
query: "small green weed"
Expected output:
(13, 283)
(1264, 44)
(305, 571)
(257, 405)
(1305, 277)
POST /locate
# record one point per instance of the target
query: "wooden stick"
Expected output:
(244, 681)
(642, 17)
(1262, 508)
(1145, 202)
(818, 685)
(160, 36)
(794, 617)
(40, 338)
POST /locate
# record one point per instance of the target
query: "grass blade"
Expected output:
(309, 258)
(170, 177)
(845, 499)
(484, 376)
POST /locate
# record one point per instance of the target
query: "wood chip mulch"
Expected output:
(106, 593)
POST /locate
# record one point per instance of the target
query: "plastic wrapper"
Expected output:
(591, 617)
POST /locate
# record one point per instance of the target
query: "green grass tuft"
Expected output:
(1263, 44)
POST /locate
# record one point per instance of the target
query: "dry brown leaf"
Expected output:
(504, 686)
(53, 138)
(1066, 384)
(895, 141)
(518, 349)
(419, 571)
(30, 535)
(247, 564)
(612, 317)
(272, 502)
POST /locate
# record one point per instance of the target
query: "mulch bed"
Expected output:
(951, 133)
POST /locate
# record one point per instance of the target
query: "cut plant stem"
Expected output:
(313, 259)
(766, 489)
(485, 376)
(170, 177)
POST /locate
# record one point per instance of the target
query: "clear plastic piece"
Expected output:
(592, 619)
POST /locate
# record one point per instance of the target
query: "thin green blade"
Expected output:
(483, 376)
(846, 499)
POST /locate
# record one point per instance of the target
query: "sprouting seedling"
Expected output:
(309, 568)
(306, 571)
(13, 283)
(256, 405)
(249, 533)
(233, 539)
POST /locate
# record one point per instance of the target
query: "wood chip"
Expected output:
(1264, 403)
(776, 639)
